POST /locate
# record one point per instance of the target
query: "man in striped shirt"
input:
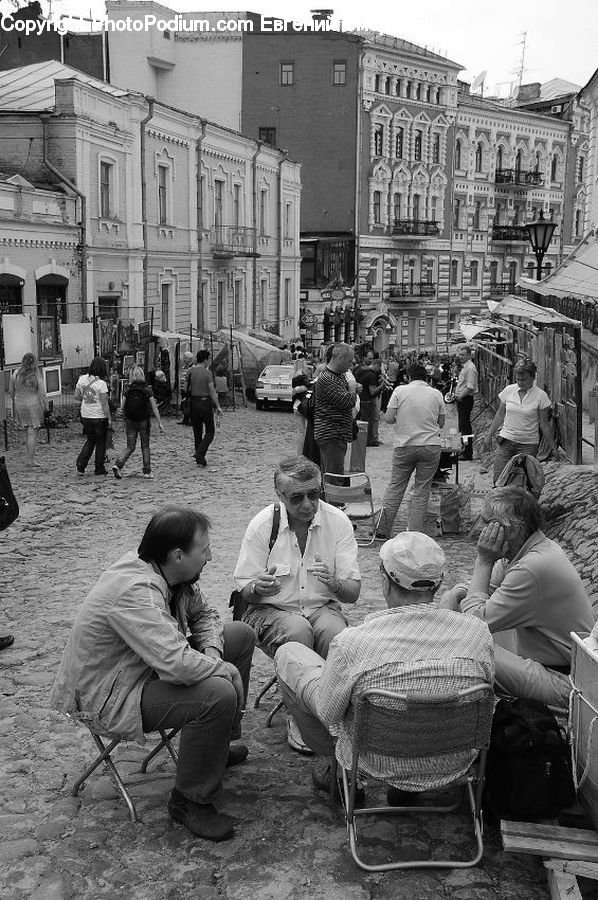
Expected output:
(413, 646)
(334, 402)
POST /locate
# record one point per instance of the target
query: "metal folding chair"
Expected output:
(405, 727)
(354, 492)
(105, 757)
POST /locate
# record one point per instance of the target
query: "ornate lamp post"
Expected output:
(540, 234)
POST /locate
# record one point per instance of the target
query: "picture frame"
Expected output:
(140, 358)
(52, 376)
(128, 363)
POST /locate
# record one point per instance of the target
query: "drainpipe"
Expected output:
(202, 135)
(359, 130)
(143, 123)
(258, 147)
(83, 224)
(280, 235)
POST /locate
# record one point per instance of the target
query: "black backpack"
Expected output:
(528, 770)
(137, 405)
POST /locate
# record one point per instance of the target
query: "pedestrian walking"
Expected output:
(29, 402)
(372, 382)
(92, 390)
(138, 405)
(204, 399)
(185, 400)
(300, 384)
(522, 414)
(333, 421)
(467, 385)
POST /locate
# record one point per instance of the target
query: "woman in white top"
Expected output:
(29, 402)
(522, 414)
(92, 390)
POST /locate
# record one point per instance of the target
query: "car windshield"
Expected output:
(276, 371)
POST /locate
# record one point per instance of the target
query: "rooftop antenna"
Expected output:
(520, 71)
(478, 82)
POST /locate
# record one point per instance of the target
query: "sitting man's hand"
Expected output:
(266, 584)
(321, 571)
(452, 598)
(492, 542)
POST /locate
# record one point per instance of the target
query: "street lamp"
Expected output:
(540, 234)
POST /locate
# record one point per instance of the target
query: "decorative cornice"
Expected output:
(168, 138)
(36, 243)
(221, 154)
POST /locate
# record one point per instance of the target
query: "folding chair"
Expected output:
(105, 757)
(268, 687)
(354, 492)
(405, 727)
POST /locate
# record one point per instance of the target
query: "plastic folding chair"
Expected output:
(405, 727)
(353, 492)
(105, 757)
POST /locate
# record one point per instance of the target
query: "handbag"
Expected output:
(237, 602)
(9, 508)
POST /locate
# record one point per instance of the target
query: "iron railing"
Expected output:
(509, 233)
(234, 240)
(518, 176)
(413, 289)
(415, 227)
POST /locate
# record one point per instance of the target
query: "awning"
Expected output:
(577, 276)
(522, 308)
(470, 331)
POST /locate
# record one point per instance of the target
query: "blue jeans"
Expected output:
(96, 434)
(422, 459)
(202, 417)
(208, 714)
(133, 428)
(506, 450)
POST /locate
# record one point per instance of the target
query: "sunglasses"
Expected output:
(298, 498)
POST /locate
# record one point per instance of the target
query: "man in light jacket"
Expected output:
(129, 668)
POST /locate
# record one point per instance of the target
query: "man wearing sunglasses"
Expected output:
(295, 587)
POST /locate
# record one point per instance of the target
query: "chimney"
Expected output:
(321, 15)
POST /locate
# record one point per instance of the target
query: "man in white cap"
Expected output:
(411, 646)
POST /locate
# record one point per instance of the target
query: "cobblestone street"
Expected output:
(288, 843)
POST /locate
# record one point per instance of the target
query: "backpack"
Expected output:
(528, 770)
(524, 471)
(137, 405)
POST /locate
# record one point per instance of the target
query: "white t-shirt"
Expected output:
(417, 409)
(468, 378)
(522, 417)
(91, 387)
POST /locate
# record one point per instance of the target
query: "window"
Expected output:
(287, 297)
(513, 273)
(287, 73)
(394, 270)
(418, 92)
(428, 94)
(516, 214)
(236, 205)
(430, 329)
(288, 220)
(165, 306)
(237, 289)
(436, 149)
(454, 273)
(163, 173)
(537, 162)
(412, 323)
(378, 139)
(580, 166)
(377, 84)
(417, 146)
(108, 309)
(396, 206)
(438, 95)
(554, 167)
(434, 209)
(518, 160)
(479, 157)
(264, 300)
(372, 278)
(218, 195)
(106, 190)
(262, 211)
(408, 89)
(399, 142)
(220, 305)
(498, 213)
(458, 151)
(428, 271)
(477, 215)
(376, 207)
(577, 223)
(267, 135)
(474, 273)
(339, 71)
(499, 157)
(457, 208)
(416, 207)
(493, 273)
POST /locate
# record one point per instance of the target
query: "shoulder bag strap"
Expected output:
(275, 527)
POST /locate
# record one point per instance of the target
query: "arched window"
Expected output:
(399, 142)
(418, 92)
(377, 204)
(513, 273)
(479, 157)
(398, 87)
(436, 149)
(494, 272)
(438, 95)
(518, 160)
(408, 89)
(537, 162)
(396, 206)
(580, 169)
(377, 84)
(378, 139)
(428, 94)
(416, 207)
(477, 215)
(458, 150)
(498, 213)
(387, 86)
(499, 157)
(417, 146)
(554, 167)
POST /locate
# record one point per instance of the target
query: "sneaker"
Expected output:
(204, 820)
(147, 475)
(295, 740)
(116, 471)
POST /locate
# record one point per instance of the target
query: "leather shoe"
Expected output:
(204, 820)
(322, 783)
(201, 460)
(236, 755)
(6, 641)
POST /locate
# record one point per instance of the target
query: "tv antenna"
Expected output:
(520, 71)
(478, 82)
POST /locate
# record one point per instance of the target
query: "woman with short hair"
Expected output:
(137, 404)
(522, 414)
(92, 390)
(29, 402)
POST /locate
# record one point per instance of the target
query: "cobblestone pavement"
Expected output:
(288, 843)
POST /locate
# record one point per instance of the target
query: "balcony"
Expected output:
(501, 290)
(229, 241)
(509, 233)
(518, 177)
(415, 228)
(411, 289)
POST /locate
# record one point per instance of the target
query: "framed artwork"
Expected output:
(128, 363)
(52, 376)
(145, 331)
(140, 358)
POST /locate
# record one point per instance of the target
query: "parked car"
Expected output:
(274, 386)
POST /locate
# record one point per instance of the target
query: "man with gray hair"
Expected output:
(334, 403)
(522, 581)
(413, 645)
(297, 564)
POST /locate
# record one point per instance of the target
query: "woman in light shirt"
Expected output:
(522, 414)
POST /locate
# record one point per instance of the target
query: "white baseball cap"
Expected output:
(414, 561)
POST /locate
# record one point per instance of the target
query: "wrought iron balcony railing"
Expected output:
(502, 289)
(415, 228)
(233, 240)
(509, 233)
(412, 289)
(518, 176)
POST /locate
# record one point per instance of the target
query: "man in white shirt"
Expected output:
(418, 413)
(467, 385)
